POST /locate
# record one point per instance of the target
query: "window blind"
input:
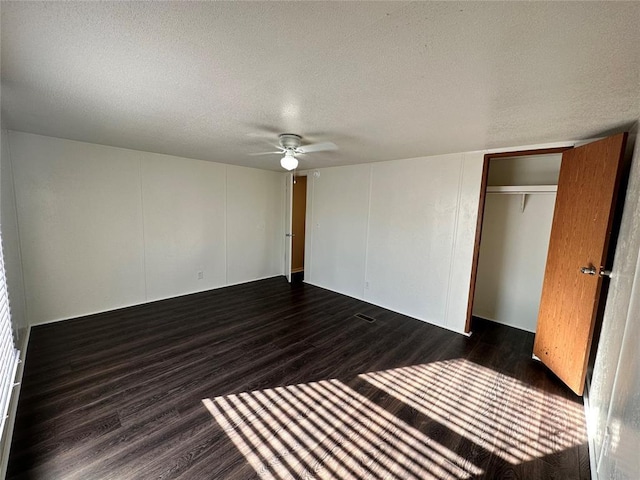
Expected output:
(9, 355)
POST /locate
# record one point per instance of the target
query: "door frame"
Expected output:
(288, 220)
(288, 215)
(480, 219)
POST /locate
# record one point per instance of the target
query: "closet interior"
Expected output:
(516, 228)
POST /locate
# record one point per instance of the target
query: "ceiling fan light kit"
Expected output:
(289, 161)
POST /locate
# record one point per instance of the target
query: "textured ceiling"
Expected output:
(382, 80)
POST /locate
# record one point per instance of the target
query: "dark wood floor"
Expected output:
(267, 380)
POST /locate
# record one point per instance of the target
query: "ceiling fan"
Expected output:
(290, 146)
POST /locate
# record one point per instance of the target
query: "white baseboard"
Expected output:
(151, 300)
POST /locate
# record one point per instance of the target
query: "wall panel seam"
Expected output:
(144, 239)
(225, 226)
(309, 275)
(447, 320)
(366, 238)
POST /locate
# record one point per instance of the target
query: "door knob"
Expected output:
(590, 270)
(290, 234)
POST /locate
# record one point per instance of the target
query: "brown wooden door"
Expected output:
(298, 224)
(582, 222)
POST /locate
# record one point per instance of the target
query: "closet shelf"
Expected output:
(522, 189)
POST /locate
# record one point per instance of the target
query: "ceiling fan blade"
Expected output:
(266, 153)
(317, 147)
(264, 138)
(264, 128)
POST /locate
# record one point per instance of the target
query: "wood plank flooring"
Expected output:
(268, 380)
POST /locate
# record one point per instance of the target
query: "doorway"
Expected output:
(518, 212)
(515, 194)
(298, 215)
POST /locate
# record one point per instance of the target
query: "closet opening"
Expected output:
(515, 213)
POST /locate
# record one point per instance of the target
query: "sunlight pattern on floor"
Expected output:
(327, 430)
(499, 413)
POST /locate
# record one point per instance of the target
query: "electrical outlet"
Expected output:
(366, 285)
(200, 275)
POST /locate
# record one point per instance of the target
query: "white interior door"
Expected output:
(288, 232)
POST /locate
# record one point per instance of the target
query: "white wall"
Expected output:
(181, 238)
(397, 234)
(255, 224)
(336, 234)
(525, 170)
(103, 227)
(613, 418)
(411, 233)
(513, 255)
(80, 219)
